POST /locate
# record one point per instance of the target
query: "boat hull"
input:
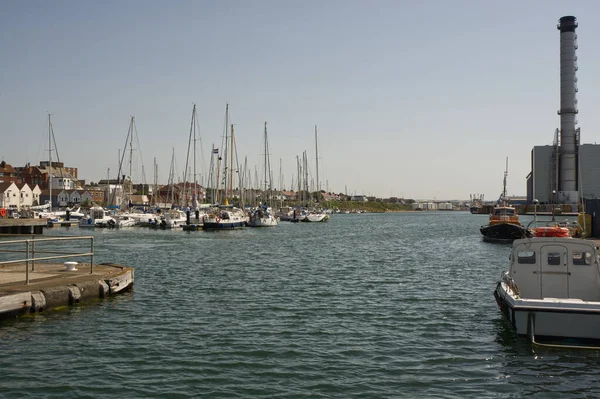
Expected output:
(223, 226)
(551, 317)
(504, 232)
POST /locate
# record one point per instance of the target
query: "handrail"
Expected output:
(31, 252)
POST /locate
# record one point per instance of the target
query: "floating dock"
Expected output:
(37, 282)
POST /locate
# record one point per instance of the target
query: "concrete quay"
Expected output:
(53, 285)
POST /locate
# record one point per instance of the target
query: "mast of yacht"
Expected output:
(300, 195)
(155, 193)
(231, 165)
(50, 159)
(317, 156)
(225, 155)
(131, 158)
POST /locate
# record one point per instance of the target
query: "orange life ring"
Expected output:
(3, 212)
(552, 232)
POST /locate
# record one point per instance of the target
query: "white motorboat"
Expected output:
(173, 218)
(124, 220)
(315, 217)
(98, 217)
(552, 289)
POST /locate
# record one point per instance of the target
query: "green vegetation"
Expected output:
(368, 206)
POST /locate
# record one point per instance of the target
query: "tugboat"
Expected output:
(504, 225)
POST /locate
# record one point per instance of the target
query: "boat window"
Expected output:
(504, 211)
(554, 258)
(582, 258)
(526, 257)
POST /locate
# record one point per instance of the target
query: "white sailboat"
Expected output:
(226, 216)
(316, 215)
(263, 216)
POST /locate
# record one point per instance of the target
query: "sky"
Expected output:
(422, 100)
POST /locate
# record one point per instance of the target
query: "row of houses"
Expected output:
(17, 196)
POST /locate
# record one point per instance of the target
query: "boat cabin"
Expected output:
(562, 268)
(504, 211)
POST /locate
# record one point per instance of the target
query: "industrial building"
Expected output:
(567, 171)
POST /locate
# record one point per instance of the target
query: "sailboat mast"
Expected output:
(131, 155)
(225, 153)
(50, 159)
(317, 156)
(195, 196)
(265, 158)
(231, 165)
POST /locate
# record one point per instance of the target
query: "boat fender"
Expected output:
(218, 219)
(3, 212)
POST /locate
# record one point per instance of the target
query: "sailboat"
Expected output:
(504, 225)
(263, 216)
(316, 215)
(194, 214)
(225, 216)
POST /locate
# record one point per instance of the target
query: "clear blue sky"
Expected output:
(414, 99)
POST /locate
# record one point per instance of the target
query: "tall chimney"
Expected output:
(568, 150)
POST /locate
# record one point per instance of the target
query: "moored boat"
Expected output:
(552, 289)
(225, 218)
(98, 217)
(504, 225)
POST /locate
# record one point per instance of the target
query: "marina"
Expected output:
(368, 305)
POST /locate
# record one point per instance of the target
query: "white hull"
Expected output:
(316, 217)
(265, 221)
(550, 317)
(552, 288)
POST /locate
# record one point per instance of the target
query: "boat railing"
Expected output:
(30, 251)
(506, 278)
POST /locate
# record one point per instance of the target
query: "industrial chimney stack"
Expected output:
(569, 140)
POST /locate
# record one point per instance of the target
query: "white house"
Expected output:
(36, 192)
(10, 194)
(25, 195)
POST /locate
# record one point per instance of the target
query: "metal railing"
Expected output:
(31, 252)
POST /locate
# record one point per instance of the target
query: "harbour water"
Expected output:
(366, 306)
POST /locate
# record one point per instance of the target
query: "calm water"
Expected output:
(367, 306)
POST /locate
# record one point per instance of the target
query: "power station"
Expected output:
(556, 171)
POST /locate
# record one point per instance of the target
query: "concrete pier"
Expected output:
(22, 226)
(52, 285)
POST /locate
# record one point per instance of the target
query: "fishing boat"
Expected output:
(504, 225)
(551, 291)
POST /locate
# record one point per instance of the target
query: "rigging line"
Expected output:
(120, 163)
(187, 158)
(56, 149)
(137, 139)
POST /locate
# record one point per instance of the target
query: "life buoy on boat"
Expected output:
(554, 231)
(3, 212)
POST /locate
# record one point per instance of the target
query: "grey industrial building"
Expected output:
(567, 171)
(543, 179)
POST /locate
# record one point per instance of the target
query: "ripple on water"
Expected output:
(390, 305)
